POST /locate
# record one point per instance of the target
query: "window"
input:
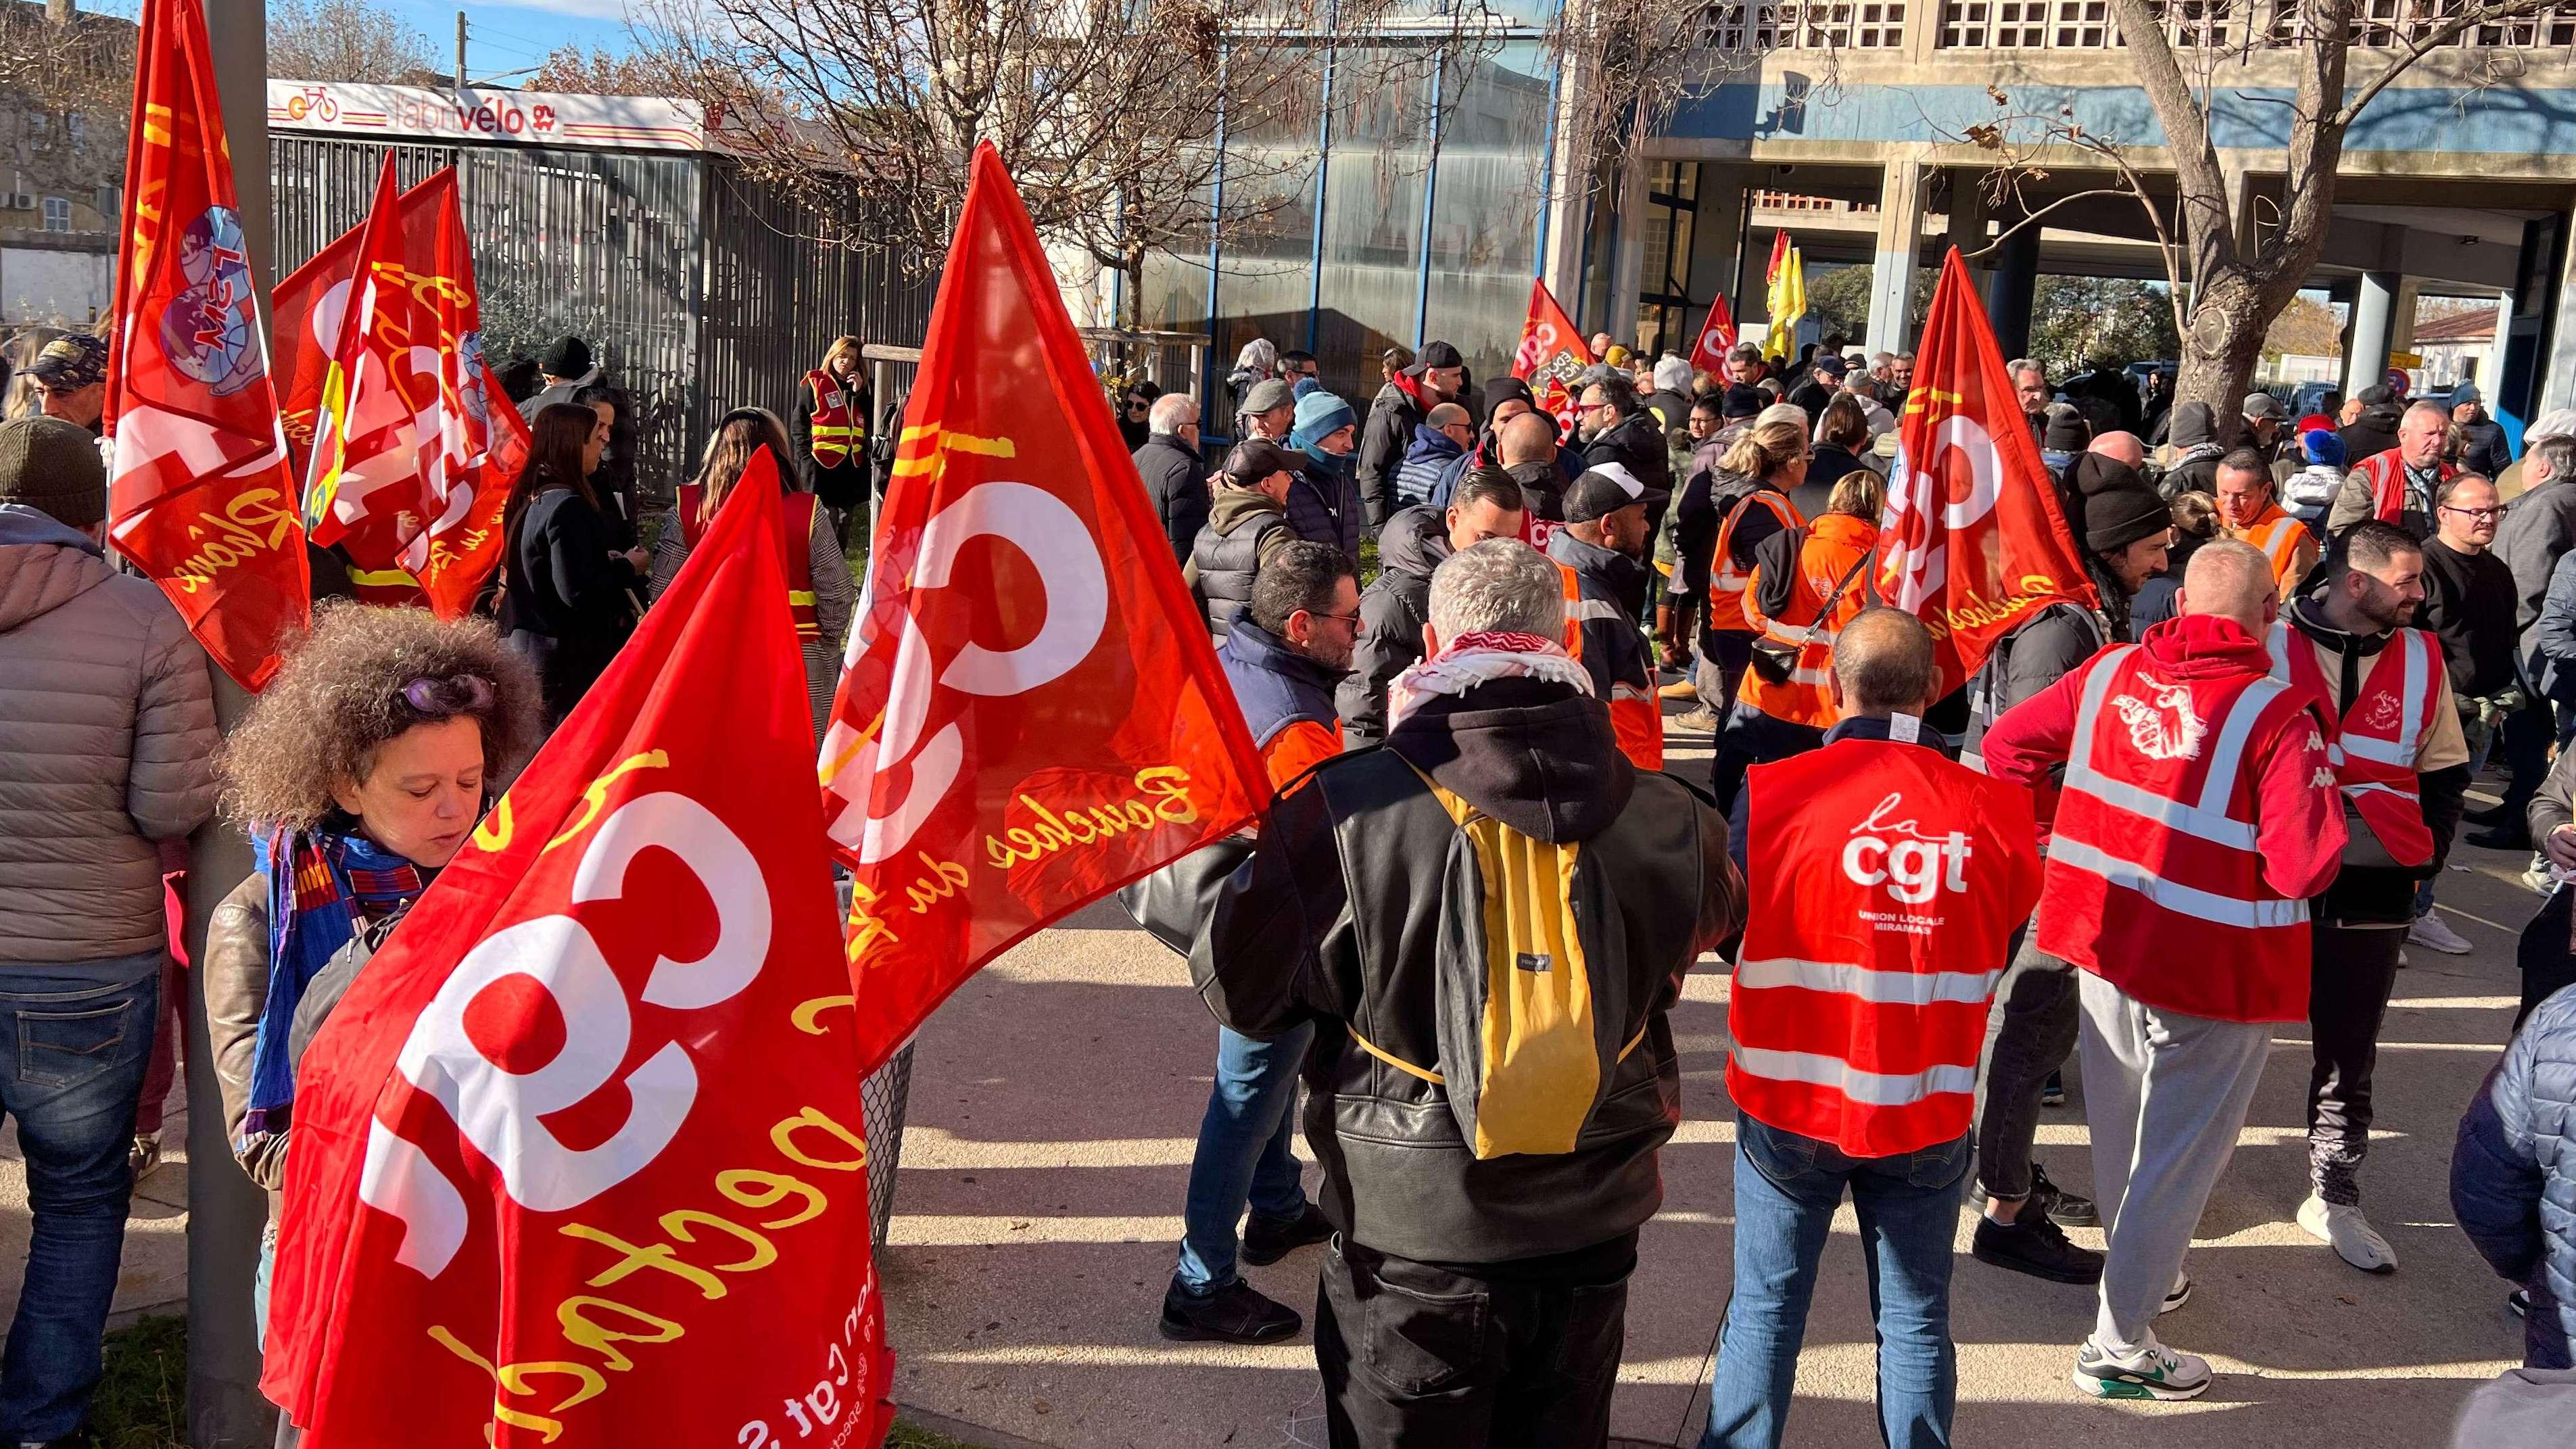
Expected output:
(58, 214)
(1672, 208)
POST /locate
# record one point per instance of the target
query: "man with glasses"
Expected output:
(2403, 770)
(1297, 367)
(2248, 509)
(1283, 657)
(2469, 603)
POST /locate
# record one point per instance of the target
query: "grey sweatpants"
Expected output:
(2165, 1094)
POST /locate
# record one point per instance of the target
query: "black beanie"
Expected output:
(565, 357)
(2114, 518)
(2093, 473)
(2067, 432)
(1742, 400)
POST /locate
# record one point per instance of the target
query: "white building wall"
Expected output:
(54, 286)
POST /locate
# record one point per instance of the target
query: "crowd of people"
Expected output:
(2147, 834)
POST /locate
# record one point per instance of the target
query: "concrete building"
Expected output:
(1852, 132)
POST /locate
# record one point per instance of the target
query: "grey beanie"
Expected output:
(53, 467)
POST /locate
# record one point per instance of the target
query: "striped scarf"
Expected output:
(333, 881)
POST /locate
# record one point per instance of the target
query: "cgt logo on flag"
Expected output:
(1551, 357)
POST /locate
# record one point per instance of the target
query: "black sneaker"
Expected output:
(1267, 1240)
(2032, 1244)
(1235, 1313)
(2512, 835)
(2486, 817)
(2066, 1209)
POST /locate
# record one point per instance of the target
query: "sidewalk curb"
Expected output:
(959, 1429)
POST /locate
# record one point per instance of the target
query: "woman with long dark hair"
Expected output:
(820, 592)
(567, 591)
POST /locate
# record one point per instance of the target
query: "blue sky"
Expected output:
(507, 37)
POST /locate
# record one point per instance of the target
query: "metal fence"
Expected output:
(697, 289)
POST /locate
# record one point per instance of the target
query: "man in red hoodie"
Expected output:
(2198, 815)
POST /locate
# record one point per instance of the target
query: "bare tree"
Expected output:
(69, 79)
(1122, 120)
(595, 72)
(2237, 253)
(1626, 64)
(345, 40)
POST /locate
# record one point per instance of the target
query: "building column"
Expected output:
(2556, 385)
(2374, 315)
(2009, 294)
(1900, 245)
(1628, 253)
(1565, 208)
(1717, 243)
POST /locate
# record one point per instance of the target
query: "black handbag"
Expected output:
(1775, 662)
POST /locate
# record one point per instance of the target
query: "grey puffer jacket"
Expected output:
(2513, 1169)
(107, 742)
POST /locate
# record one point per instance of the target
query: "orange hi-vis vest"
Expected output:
(837, 431)
(1885, 885)
(1636, 708)
(2387, 474)
(1834, 543)
(2154, 845)
(2372, 745)
(796, 542)
(2279, 535)
(1727, 582)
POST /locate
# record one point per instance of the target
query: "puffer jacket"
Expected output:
(107, 742)
(2513, 1165)
(1393, 610)
(1361, 907)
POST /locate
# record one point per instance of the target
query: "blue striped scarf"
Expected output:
(333, 880)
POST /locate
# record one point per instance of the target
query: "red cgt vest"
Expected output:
(1886, 885)
(796, 542)
(836, 432)
(2372, 748)
(2387, 474)
(2155, 882)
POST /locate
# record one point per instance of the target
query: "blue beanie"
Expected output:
(2322, 448)
(1319, 415)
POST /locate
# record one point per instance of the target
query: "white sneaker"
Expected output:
(2430, 931)
(2150, 1371)
(2176, 1297)
(2537, 878)
(2354, 1239)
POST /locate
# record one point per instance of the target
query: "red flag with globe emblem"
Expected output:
(388, 402)
(1551, 355)
(199, 495)
(580, 1159)
(1973, 541)
(1030, 715)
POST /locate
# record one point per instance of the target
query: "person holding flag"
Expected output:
(1552, 358)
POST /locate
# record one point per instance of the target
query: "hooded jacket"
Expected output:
(1363, 907)
(1176, 479)
(1245, 530)
(1393, 415)
(1393, 610)
(1426, 460)
(2374, 432)
(107, 743)
(2196, 451)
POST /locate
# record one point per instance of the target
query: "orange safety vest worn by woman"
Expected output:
(796, 534)
(1827, 593)
(1728, 579)
(838, 431)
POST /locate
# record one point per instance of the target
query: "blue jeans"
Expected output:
(1243, 1154)
(1786, 1190)
(72, 1057)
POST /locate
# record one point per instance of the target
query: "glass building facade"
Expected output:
(1408, 208)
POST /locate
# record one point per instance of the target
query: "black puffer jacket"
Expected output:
(1392, 612)
(1635, 443)
(1362, 908)
(1176, 479)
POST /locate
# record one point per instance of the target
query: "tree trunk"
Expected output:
(2230, 315)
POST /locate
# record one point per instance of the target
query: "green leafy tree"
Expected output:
(2078, 321)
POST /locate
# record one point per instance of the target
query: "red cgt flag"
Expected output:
(1972, 541)
(200, 497)
(1031, 715)
(579, 1159)
(1551, 356)
(1716, 335)
(415, 463)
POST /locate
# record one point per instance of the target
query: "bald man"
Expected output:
(1529, 448)
(1440, 440)
(2124, 446)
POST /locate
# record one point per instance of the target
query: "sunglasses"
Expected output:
(439, 699)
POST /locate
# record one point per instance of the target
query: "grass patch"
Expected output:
(142, 1402)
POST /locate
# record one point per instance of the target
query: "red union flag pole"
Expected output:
(1551, 356)
(1972, 542)
(578, 1161)
(199, 495)
(419, 459)
(1031, 715)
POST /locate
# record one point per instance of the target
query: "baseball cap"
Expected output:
(2555, 423)
(1258, 458)
(1440, 354)
(74, 359)
(1604, 489)
(2263, 405)
(1832, 365)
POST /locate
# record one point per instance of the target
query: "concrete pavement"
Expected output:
(1057, 1097)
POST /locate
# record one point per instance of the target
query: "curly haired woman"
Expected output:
(363, 768)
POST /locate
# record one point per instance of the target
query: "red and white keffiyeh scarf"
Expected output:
(1480, 657)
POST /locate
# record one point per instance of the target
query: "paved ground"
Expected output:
(1057, 1097)
(155, 1275)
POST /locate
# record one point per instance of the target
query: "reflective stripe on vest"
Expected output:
(796, 549)
(1878, 1089)
(2375, 771)
(834, 432)
(2204, 819)
(1896, 988)
(2279, 541)
(1727, 583)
